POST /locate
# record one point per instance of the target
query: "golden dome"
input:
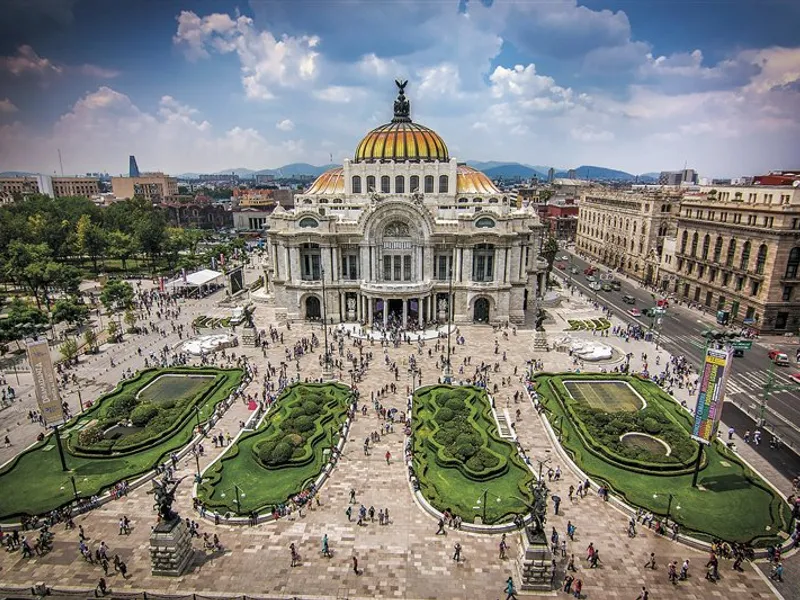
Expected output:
(330, 182)
(401, 139)
(472, 181)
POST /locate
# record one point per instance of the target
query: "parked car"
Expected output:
(591, 278)
(589, 270)
(595, 285)
(628, 299)
(795, 377)
(779, 358)
(616, 285)
(607, 287)
(561, 266)
(634, 312)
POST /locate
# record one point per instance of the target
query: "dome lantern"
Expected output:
(401, 139)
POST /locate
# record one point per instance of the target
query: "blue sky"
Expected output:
(639, 85)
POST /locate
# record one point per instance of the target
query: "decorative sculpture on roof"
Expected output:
(374, 196)
(417, 196)
(402, 107)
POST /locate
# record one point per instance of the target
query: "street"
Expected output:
(680, 333)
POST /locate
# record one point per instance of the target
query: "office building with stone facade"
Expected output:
(153, 187)
(737, 250)
(403, 235)
(625, 231)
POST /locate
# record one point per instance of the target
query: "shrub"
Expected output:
(90, 435)
(122, 406)
(143, 414)
(456, 405)
(465, 451)
(311, 408)
(280, 454)
(295, 439)
(651, 426)
(304, 423)
(445, 414)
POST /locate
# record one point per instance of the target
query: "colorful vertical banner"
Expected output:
(161, 284)
(44, 382)
(711, 395)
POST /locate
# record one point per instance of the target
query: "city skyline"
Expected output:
(206, 86)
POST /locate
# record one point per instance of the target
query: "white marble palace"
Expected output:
(393, 234)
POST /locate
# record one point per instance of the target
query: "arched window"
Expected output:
(634, 228)
(484, 222)
(731, 253)
(371, 184)
(442, 184)
(684, 240)
(717, 248)
(308, 222)
(413, 184)
(310, 262)
(399, 185)
(386, 182)
(761, 259)
(745, 256)
(428, 184)
(706, 244)
(793, 263)
(693, 251)
(483, 262)
(356, 184)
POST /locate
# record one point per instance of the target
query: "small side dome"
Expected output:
(472, 181)
(330, 182)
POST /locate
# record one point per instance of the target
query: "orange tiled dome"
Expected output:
(472, 181)
(400, 141)
(330, 182)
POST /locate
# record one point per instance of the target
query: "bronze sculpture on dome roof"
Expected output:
(402, 107)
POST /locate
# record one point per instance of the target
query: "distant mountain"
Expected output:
(246, 173)
(512, 171)
(482, 166)
(651, 175)
(597, 173)
(296, 169)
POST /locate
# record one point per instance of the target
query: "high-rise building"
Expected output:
(686, 176)
(133, 168)
(49, 185)
(551, 175)
(153, 187)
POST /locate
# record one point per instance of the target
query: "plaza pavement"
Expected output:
(402, 560)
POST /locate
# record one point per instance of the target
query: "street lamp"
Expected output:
(326, 359)
(669, 503)
(414, 373)
(239, 495)
(482, 501)
(448, 371)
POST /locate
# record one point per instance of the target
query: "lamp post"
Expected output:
(80, 400)
(414, 373)
(74, 487)
(448, 371)
(326, 359)
(669, 503)
(197, 415)
(239, 495)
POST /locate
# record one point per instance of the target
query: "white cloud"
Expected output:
(266, 62)
(98, 72)
(6, 106)
(26, 60)
(590, 134)
(439, 80)
(285, 125)
(105, 126)
(338, 93)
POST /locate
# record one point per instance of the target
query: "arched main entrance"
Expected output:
(313, 311)
(481, 311)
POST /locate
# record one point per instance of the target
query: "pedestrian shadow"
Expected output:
(202, 557)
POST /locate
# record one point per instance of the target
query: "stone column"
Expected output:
(385, 312)
(370, 305)
(359, 308)
(405, 312)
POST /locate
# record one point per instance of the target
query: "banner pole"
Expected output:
(60, 449)
(697, 466)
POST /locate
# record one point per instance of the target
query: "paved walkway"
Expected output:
(404, 559)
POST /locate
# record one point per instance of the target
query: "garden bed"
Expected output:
(599, 324)
(206, 322)
(731, 502)
(34, 482)
(283, 456)
(460, 459)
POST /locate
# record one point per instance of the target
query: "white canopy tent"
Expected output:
(197, 280)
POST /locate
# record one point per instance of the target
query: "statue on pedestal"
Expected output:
(164, 495)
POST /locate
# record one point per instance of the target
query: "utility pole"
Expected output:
(326, 362)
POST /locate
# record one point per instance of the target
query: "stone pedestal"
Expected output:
(540, 341)
(535, 563)
(248, 336)
(170, 548)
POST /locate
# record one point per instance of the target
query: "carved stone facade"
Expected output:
(392, 237)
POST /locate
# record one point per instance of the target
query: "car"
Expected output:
(616, 285)
(591, 278)
(634, 312)
(589, 270)
(628, 299)
(663, 303)
(779, 358)
(795, 377)
(574, 270)
(595, 285)
(561, 266)
(607, 287)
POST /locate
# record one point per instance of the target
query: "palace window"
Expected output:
(399, 185)
(745, 256)
(693, 251)
(397, 267)
(483, 262)
(386, 184)
(761, 259)
(428, 184)
(350, 266)
(371, 184)
(792, 264)
(684, 240)
(731, 253)
(443, 266)
(717, 249)
(706, 244)
(442, 184)
(356, 184)
(310, 262)
(413, 184)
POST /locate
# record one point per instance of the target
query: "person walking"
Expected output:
(388, 457)
(102, 587)
(349, 513)
(295, 556)
(123, 569)
(326, 551)
(355, 565)
(644, 595)
(352, 496)
(651, 562)
(457, 552)
(777, 572)
(441, 530)
(571, 563)
(577, 588)
(510, 590)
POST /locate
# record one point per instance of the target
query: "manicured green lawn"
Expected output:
(174, 387)
(731, 502)
(35, 483)
(447, 480)
(262, 487)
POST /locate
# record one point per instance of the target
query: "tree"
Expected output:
(130, 320)
(27, 264)
(91, 239)
(123, 246)
(67, 279)
(90, 339)
(69, 350)
(151, 235)
(549, 251)
(70, 311)
(117, 295)
(113, 331)
(23, 321)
